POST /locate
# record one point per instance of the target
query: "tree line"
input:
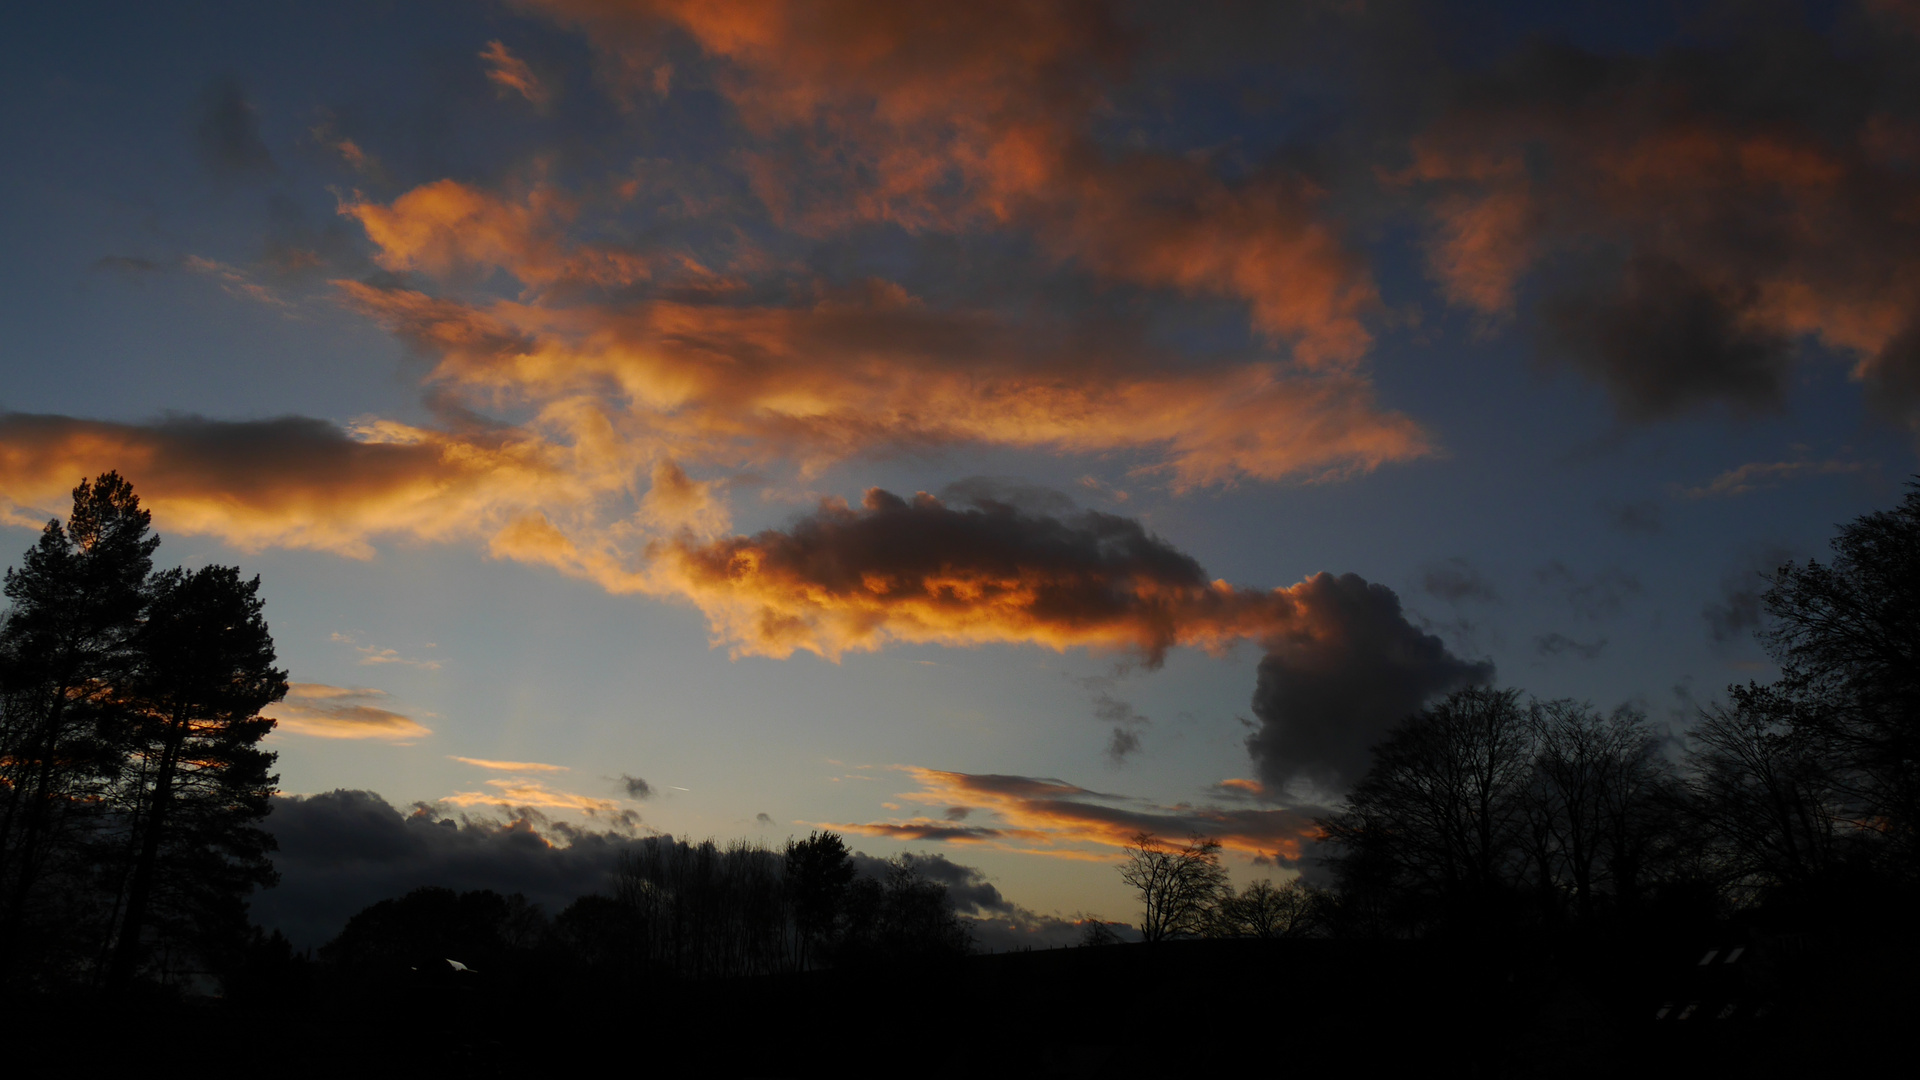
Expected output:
(131, 779)
(675, 911)
(1485, 811)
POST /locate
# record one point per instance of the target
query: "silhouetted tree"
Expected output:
(196, 783)
(901, 917)
(1766, 782)
(819, 871)
(1847, 638)
(1599, 803)
(701, 911)
(1178, 888)
(67, 650)
(1266, 910)
(131, 782)
(1440, 817)
(421, 931)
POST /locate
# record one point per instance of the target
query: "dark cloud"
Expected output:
(1687, 221)
(1558, 644)
(1039, 813)
(958, 813)
(291, 481)
(933, 831)
(636, 787)
(1458, 579)
(343, 850)
(229, 133)
(1645, 516)
(1121, 743)
(968, 888)
(1599, 596)
(998, 924)
(130, 264)
(989, 572)
(1323, 699)
(1738, 610)
(1665, 342)
(1312, 863)
(762, 818)
(1126, 723)
(1021, 495)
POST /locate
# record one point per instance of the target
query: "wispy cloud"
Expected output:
(341, 712)
(374, 654)
(1760, 475)
(512, 75)
(508, 766)
(1052, 817)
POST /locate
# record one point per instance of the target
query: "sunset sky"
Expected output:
(987, 429)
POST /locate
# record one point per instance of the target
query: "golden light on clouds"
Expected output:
(517, 792)
(342, 712)
(1052, 817)
(508, 766)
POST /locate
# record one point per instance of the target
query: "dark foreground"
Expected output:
(1792, 1005)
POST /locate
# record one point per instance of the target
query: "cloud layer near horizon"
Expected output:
(341, 851)
(1042, 816)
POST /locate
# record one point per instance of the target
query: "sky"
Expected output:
(984, 430)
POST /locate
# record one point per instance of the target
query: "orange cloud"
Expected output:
(339, 712)
(1053, 817)
(750, 385)
(301, 483)
(512, 793)
(508, 766)
(922, 571)
(512, 75)
(936, 116)
(449, 229)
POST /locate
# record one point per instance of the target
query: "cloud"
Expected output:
(1760, 475)
(512, 75)
(344, 850)
(859, 370)
(293, 482)
(637, 788)
(1335, 683)
(1738, 610)
(132, 264)
(1600, 596)
(1126, 725)
(373, 655)
(1052, 817)
(861, 112)
(518, 793)
(762, 819)
(1558, 644)
(1456, 580)
(1685, 228)
(453, 230)
(340, 712)
(508, 766)
(1644, 516)
(854, 115)
(228, 130)
(893, 570)
(998, 924)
